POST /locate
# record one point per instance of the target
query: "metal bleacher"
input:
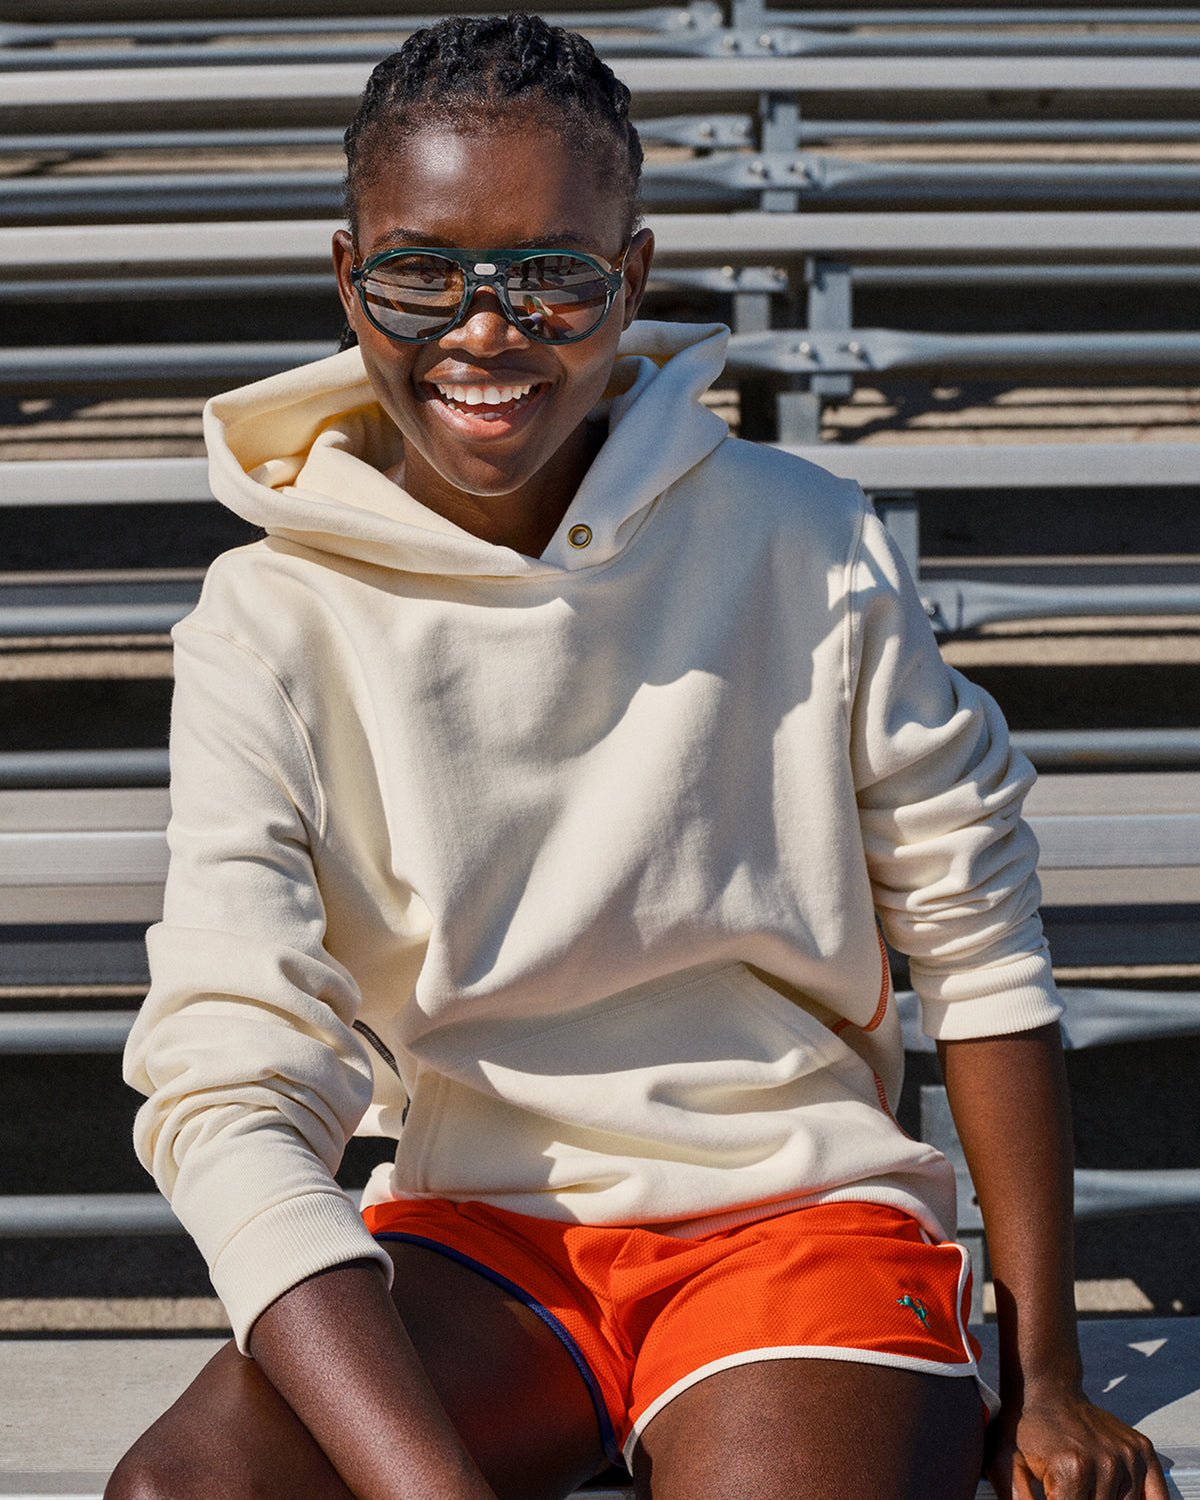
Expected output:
(902, 198)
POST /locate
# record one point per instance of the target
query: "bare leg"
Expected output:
(505, 1380)
(507, 1383)
(823, 1429)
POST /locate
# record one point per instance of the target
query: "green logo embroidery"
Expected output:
(917, 1306)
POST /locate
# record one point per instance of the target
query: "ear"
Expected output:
(343, 263)
(637, 273)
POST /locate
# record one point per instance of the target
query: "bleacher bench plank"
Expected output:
(686, 239)
(924, 466)
(868, 354)
(82, 855)
(100, 855)
(313, 92)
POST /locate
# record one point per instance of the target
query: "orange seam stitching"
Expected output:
(885, 992)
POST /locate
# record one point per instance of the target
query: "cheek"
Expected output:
(389, 371)
(589, 373)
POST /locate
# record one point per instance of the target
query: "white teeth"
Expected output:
(483, 395)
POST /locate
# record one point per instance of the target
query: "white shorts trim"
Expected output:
(818, 1351)
(795, 1351)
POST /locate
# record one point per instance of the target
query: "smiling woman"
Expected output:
(503, 469)
(541, 783)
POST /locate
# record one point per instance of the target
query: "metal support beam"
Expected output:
(1076, 466)
(873, 351)
(35, 1216)
(830, 307)
(776, 180)
(957, 607)
(1048, 749)
(901, 514)
(1057, 749)
(63, 1033)
(846, 352)
(704, 130)
(153, 368)
(24, 769)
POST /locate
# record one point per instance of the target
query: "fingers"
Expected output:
(1100, 1459)
(1125, 1467)
(1022, 1485)
(1153, 1481)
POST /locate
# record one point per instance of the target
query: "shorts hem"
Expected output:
(792, 1351)
(608, 1436)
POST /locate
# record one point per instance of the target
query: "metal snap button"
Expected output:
(579, 536)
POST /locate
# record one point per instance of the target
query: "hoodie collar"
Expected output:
(306, 456)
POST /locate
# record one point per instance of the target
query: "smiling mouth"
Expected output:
(485, 400)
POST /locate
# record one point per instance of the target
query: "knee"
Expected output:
(129, 1481)
(144, 1475)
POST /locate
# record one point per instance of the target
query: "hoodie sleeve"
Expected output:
(940, 791)
(254, 1079)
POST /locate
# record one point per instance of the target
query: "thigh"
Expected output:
(824, 1429)
(506, 1381)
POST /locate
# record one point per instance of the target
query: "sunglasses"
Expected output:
(553, 296)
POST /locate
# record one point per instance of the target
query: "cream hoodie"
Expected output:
(588, 847)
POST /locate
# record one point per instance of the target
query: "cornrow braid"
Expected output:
(471, 71)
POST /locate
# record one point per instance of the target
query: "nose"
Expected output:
(484, 326)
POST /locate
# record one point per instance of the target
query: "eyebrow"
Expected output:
(399, 238)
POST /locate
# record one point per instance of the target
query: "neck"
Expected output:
(526, 518)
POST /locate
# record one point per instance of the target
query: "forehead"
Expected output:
(509, 185)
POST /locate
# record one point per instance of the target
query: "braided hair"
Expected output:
(474, 72)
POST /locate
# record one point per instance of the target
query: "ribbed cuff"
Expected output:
(996, 1001)
(282, 1246)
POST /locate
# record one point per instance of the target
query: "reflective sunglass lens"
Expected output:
(414, 296)
(557, 297)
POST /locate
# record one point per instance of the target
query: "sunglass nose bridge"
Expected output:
(486, 284)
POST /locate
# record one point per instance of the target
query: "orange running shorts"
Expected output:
(645, 1313)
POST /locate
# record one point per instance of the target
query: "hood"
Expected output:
(305, 455)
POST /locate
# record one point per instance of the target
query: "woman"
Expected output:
(538, 783)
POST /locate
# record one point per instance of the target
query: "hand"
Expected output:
(1061, 1447)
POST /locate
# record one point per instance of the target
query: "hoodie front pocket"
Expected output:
(660, 1104)
(678, 1064)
